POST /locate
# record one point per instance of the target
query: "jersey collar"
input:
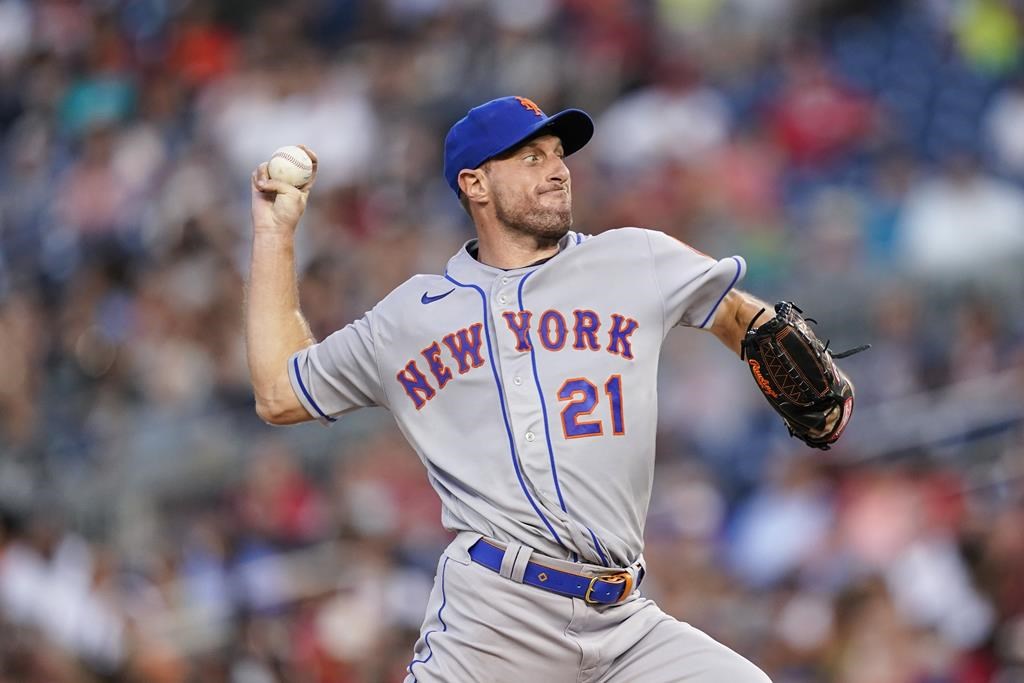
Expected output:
(466, 269)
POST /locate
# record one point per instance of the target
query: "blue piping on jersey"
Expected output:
(579, 238)
(298, 376)
(504, 413)
(597, 547)
(444, 626)
(547, 431)
(739, 269)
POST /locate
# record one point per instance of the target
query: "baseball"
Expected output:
(290, 164)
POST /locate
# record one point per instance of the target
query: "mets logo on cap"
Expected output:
(499, 125)
(531, 105)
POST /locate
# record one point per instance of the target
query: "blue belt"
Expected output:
(597, 590)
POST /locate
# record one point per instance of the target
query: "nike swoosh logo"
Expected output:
(431, 299)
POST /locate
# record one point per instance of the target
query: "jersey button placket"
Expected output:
(505, 288)
(523, 402)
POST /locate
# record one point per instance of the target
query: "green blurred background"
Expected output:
(867, 158)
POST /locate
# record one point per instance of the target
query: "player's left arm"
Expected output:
(732, 319)
(794, 370)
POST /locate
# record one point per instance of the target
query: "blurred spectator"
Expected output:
(1005, 138)
(15, 33)
(201, 51)
(894, 177)
(297, 95)
(151, 529)
(674, 120)
(813, 116)
(19, 338)
(962, 225)
(92, 199)
(989, 34)
(778, 529)
(48, 583)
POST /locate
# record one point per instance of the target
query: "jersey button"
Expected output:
(530, 436)
(504, 280)
(502, 299)
(517, 380)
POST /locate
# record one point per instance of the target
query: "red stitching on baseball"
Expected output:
(289, 157)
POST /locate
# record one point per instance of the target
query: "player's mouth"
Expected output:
(558, 188)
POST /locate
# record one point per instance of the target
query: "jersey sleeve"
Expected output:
(692, 284)
(339, 374)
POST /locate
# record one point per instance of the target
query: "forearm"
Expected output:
(274, 325)
(734, 316)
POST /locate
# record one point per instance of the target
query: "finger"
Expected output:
(308, 185)
(270, 185)
(254, 181)
(311, 153)
(264, 183)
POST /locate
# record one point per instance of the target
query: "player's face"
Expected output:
(531, 189)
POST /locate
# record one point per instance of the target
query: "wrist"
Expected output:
(273, 233)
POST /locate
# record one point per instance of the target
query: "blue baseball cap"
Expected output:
(499, 125)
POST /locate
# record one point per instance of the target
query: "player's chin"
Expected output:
(556, 198)
(555, 215)
(555, 227)
(557, 204)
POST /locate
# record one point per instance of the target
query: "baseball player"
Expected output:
(524, 375)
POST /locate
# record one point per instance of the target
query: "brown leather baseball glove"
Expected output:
(797, 373)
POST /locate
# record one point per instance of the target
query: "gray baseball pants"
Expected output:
(483, 628)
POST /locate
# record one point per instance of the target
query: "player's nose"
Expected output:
(558, 172)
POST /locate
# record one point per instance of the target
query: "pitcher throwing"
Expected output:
(525, 378)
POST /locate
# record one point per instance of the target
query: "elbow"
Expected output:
(274, 412)
(277, 404)
(268, 412)
(281, 409)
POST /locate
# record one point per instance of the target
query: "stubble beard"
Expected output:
(544, 224)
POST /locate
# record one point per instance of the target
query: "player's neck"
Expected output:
(507, 253)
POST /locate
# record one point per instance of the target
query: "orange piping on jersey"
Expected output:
(693, 249)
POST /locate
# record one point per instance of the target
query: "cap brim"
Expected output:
(573, 127)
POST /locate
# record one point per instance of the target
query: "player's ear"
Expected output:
(473, 185)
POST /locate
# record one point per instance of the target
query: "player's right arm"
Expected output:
(274, 325)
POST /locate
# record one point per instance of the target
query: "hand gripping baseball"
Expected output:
(797, 373)
(276, 205)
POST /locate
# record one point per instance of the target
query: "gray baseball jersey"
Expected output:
(529, 394)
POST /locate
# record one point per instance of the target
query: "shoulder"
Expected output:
(648, 240)
(614, 235)
(630, 238)
(412, 290)
(629, 234)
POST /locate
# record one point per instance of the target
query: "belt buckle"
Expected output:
(621, 577)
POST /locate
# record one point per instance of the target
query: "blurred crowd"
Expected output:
(866, 157)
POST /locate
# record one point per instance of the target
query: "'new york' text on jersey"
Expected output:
(529, 394)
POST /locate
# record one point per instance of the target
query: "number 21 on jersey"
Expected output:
(582, 396)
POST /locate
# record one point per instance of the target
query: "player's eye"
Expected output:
(531, 158)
